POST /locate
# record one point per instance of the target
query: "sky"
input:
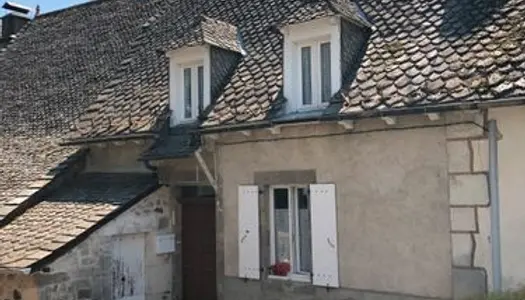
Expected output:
(45, 5)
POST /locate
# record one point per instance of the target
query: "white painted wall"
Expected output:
(511, 124)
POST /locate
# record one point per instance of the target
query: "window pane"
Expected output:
(282, 225)
(200, 77)
(187, 93)
(304, 227)
(306, 73)
(326, 80)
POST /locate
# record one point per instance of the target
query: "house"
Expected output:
(328, 149)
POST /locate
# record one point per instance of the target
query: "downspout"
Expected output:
(494, 206)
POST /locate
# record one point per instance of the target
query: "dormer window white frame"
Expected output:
(189, 83)
(312, 63)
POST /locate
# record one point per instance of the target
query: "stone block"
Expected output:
(471, 189)
(462, 249)
(84, 294)
(44, 279)
(468, 282)
(480, 155)
(483, 255)
(463, 218)
(458, 156)
(463, 131)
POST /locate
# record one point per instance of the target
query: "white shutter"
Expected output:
(248, 209)
(324, 235)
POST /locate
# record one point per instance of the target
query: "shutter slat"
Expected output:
(325, 265)
(248, 235)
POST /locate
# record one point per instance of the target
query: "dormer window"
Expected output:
(189, 83)
(312, 63)
(212, 47)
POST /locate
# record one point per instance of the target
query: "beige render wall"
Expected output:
(511, 124)
(392, 199)
(117, 157)
(85, 271)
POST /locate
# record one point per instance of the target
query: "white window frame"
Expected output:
(296, 36)
(194, 89)
(179, 60)
(293, 229)
(315, 70)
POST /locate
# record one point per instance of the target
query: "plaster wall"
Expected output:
(116, 157)
(85, 272)
(511, 121)
(392, 200)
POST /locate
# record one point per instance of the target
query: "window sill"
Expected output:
(292, 277)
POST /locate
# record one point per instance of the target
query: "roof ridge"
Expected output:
(79, 5)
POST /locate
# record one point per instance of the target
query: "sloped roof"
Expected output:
(58, 65)
(67, 213)
(49, 74)
(437, 52)
(28, 164)
(420, 52)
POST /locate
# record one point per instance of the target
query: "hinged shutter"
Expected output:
(324, 235)
(248, 209)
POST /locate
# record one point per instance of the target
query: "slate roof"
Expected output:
(28, 164)
(49, 74)
(312, 10)
(438, 52)
(212, 32)
(68, 213)
(181, 141)
(421, 52)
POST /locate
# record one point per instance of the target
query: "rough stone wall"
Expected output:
(85, 271)
(17, 286)
(392, 198)
(467, 149)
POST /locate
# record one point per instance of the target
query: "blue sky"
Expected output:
(45, 5)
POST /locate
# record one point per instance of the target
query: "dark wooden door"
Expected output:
(198, 250)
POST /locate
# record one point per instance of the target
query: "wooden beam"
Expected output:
(347, 124)
(389, 120)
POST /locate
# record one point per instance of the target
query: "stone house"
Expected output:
(329, 149)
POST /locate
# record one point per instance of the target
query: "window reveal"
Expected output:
(193, 91)
(291, 230)
(316, 73)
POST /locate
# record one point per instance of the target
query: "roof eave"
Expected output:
(480, 104)
(112, 138)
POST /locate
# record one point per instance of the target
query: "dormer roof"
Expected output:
(315, 9)
(209, 31)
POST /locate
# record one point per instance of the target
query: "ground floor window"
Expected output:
(290, 227)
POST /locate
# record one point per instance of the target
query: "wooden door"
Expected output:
(198, 250)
